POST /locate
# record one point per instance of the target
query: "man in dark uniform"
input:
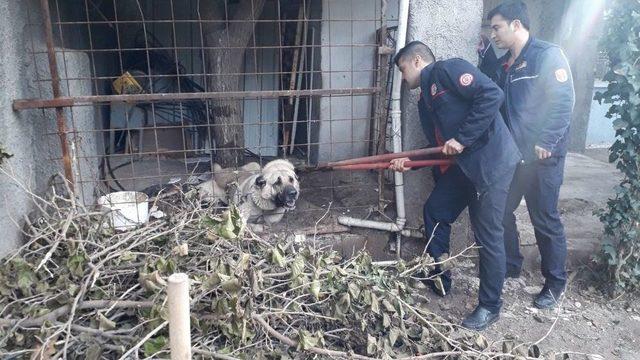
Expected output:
(453, 191)
(459, 107)
(539, 100)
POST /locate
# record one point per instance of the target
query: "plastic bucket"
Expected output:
(127, 209)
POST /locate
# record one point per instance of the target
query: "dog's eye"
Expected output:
(279, 181)
(290, 179)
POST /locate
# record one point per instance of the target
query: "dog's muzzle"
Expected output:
(287, 198)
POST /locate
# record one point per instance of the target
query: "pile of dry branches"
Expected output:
(80, 290)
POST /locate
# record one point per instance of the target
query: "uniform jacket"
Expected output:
(539, 98)
(464, 104)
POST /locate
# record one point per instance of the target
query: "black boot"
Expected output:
(513, 273)
(439, 282)
(480, 319)
(547, 299)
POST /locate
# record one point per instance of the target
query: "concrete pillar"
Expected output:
(451, 29)
(31, 135)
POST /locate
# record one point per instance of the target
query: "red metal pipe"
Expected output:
(385, 165)
(385, 157)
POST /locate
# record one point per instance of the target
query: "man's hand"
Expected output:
(452, 147)
(483, 44)
(542, 153)
(398, 164)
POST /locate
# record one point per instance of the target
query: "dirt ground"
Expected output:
(587, 322)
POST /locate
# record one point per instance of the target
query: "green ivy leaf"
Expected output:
(306, 341)
(297, 267)
(277, 258)
(375, 304)
(105, 323)
(393, 335)
(25, 276)
(372, 345)
(314, 289)
(354, 290)
(76, 263)
(154, 345)
(620, 124)
(232, 286)
(621, 43)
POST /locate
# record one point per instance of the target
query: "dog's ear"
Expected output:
(260, 181)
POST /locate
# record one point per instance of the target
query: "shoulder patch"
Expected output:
(466, 79)
(561, 75)
(434, 90)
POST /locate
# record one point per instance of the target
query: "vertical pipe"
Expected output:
(381, 116)
(396, 119)
(179, 323)
(310, 98)
(303, 57)
(55, 86)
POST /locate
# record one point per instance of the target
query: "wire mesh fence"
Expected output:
(161, 96)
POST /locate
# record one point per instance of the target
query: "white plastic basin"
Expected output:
(127, 209)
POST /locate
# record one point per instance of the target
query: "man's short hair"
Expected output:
(412, 49)
(512, 10)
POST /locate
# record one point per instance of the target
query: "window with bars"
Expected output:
(141, 93)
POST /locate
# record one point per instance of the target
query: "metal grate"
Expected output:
(149, 91)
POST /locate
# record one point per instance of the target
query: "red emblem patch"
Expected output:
(466, 79)
(434, 90)
(562, 75)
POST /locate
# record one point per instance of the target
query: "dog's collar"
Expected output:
(260, 202)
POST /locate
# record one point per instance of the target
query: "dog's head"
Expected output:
(278, 183)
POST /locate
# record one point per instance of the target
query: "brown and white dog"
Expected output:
(261, 194)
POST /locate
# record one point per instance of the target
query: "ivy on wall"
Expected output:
(620, 252)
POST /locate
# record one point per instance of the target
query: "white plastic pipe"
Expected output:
(299, 85)
(378, 225)
(396, 112)
(179, 322)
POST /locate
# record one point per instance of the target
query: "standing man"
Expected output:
(461, 106)
(539, 100)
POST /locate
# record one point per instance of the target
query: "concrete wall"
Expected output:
(21, 133)
(451, 29)
(30, 135)
(16, 129)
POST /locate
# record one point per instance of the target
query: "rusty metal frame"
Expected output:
(69, 101)
(57, 93)
(65, 103)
